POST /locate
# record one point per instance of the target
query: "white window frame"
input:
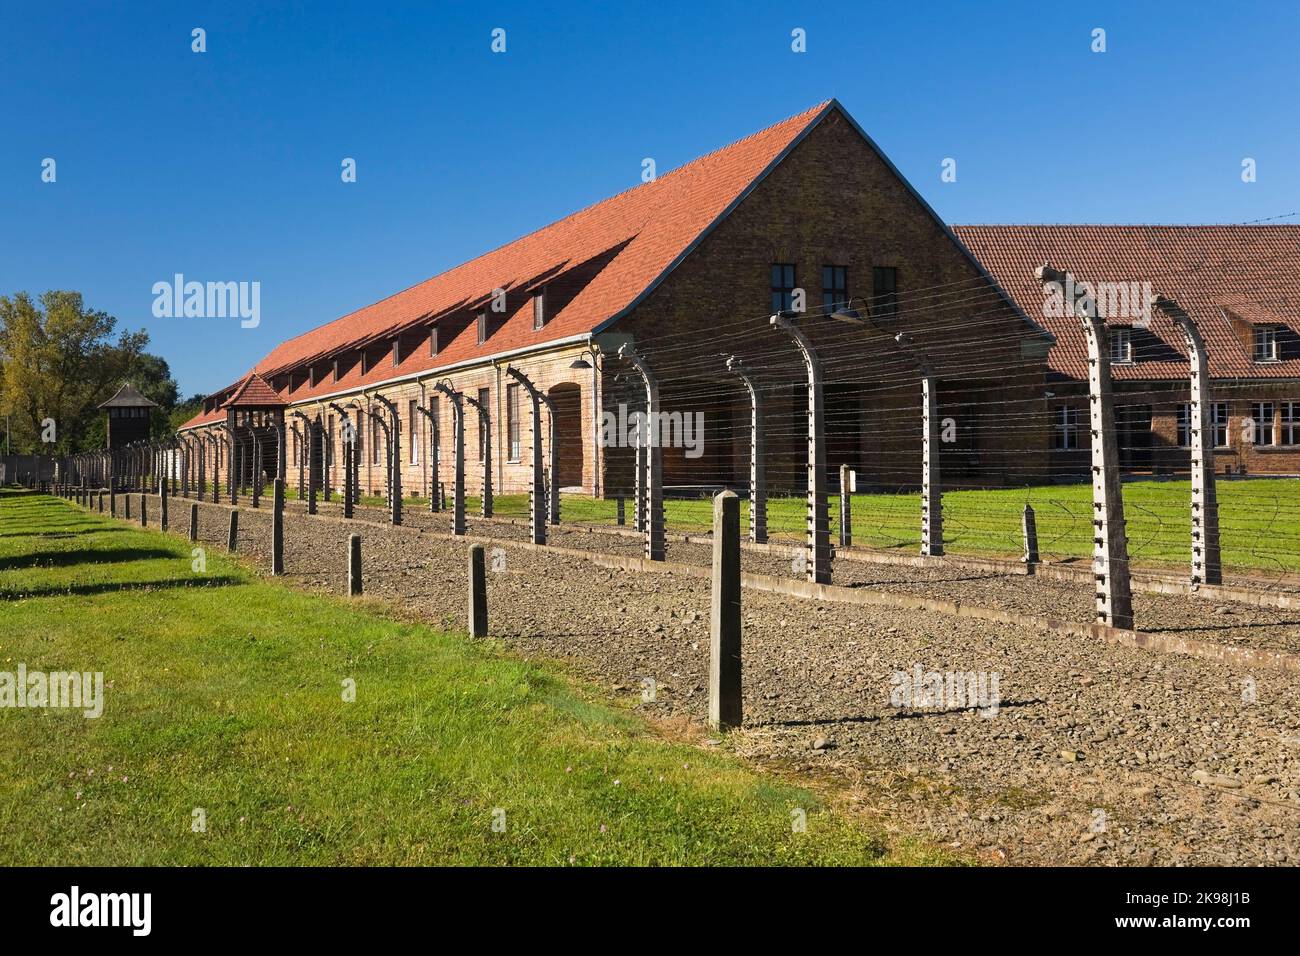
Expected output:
(1265, 343)
(1264, 423)
(1219, 415)
(1185, 425)
(1289, 426)
(1121, 345)
(1065, 428)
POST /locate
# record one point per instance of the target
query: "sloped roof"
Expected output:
(253, 392)
(1208, 270)
(128, 396)
(630, 241)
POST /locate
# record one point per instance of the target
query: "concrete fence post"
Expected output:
(638, 491)
(100, 504)
(1029, 530)
(395, 462)
(194, 521)
(757, 466)
(112, 497)
(277, 527)
(232, 534)
(162, 504)
(1207, 561)
(846, 509)
(725, 705)
(818, 547)
(931, 486)
(126, 504)
(350, 481)
(478, 620)
(354, 565)
(485, 443)
(1110, 562)
(537, 506)
(144, 515)
(458, 448)
(655, 545)
(621, 510)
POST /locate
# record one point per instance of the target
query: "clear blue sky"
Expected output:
(225, 165)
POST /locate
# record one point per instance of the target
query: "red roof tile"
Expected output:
(1205, 269)
(641, 233)
(253, 392)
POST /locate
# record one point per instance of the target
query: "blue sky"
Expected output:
(225, 165)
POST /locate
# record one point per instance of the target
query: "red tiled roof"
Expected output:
(253, 392)
(1205, 269)
(641, 232)
(627, 243)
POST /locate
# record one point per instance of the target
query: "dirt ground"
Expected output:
(1096, 754)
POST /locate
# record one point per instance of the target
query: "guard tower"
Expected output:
(128, 417)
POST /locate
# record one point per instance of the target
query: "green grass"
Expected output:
(224, 691)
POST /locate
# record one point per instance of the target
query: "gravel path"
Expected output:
(1097, 753)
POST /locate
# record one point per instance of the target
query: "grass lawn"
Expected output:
(224, 691)
(1259, 520)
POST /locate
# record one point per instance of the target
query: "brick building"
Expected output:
(1232, 280)
(685, 269)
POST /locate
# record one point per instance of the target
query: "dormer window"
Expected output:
(482, 327)
(1121, 344)
(539, 308)
(1265, 339)
(433, 341)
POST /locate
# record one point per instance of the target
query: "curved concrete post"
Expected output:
(485, 426)
(394, 460)
(348, 435)
(458, 446)
(654, 468)
(817, 559)
(432, 463)
(1110, 562)
(1207, 561)
(536, 497)
(757, 468)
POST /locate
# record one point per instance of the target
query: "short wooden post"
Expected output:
(100, 504)
(144, 517)
(846, 509)
(354, 565)
(194, 521)
(277, 527)
(1029, 528)
(126, 501)
(232, 536)
(162, 503)
(478, 625)
(112, 497)
(725, 707)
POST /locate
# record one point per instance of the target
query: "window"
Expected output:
(1185, 425)
(539, 308)
(512, 422)
(884, 291)
(1289, 432)
(835, 286)
(1266, 344)
(1219, 424)
(1262, 414)
(483, 436)
(1065, 428)
(782, 286)
(482, 327)
(413, 430)
(433, 341)
(1121, 344)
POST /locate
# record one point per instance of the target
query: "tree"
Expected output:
(59, 360)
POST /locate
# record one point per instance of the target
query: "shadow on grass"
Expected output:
(59, 559)
(109, 587)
